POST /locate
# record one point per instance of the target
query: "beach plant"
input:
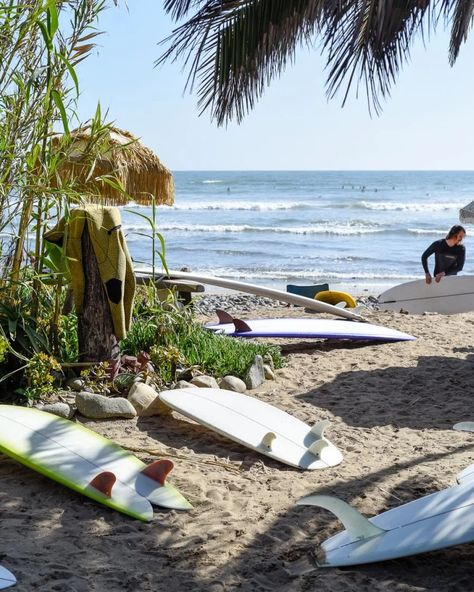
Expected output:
(39, 377)
(176, 342)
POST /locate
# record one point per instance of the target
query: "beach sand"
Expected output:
(392, 408)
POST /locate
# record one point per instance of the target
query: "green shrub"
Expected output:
(174, 339)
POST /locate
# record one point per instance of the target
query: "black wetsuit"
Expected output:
(447, 259)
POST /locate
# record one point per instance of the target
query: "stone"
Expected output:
(75, 384)
(183, 384)
(256, 374)
(269, 373)
(233, 383)
(100, 407)
(146, 401)
(59, 409)
(205, 382)
(268, 360)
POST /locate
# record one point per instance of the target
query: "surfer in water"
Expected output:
(449, 255)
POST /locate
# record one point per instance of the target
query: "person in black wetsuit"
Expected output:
(449, 255)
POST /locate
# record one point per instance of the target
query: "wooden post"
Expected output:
(97, 341)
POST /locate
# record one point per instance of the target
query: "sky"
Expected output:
(426, 124)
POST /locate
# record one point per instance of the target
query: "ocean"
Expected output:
(360, 231)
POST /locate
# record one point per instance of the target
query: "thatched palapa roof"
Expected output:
(117, 155)
(466, 214)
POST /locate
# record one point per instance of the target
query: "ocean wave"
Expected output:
(312, 274)
(440, 233)
(242, 205)
(337, 229)
(406, 206)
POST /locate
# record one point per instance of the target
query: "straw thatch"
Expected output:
(466, 214)
(119, 156)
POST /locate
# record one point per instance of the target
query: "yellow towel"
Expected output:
(113, 259)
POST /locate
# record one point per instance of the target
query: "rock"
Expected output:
(232, 383)
(59, 409)
(75, 384)
(268, 360)
(205, 382)
(183, 384)
(269, 373)
(99, 407)
(146, 401)
(256, 374)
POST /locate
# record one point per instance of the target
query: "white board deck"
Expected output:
(312, 328)
(279, 295)
(257, 425)
(437, 521)
(74, 455)
(7, 579)
(453, 294)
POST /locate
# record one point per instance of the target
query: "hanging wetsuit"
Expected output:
(447, 259)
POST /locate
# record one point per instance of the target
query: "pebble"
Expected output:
(249, 303)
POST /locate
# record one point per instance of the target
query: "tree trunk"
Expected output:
(97, 341)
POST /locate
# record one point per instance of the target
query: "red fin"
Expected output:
(241, 326)
(224, 317)
(104, 482)
(158, 470)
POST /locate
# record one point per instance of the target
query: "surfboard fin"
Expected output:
(268, 439)
(317, 447)
(104, 483)
(318, 430)
(224, 317)
(158, 470)
(357, 526)
(320, 427)
(241, 326)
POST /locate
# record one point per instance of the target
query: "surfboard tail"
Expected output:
(358, 527)
(152, 484)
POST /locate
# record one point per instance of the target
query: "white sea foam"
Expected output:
(311, 274)
(388, 206)
(337, 229)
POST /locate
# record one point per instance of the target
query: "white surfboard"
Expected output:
(453, 294)
(257, 425)
(305, 328)
(287, 297)
(464, 426)
(87, 462)
(7, 579)
(437, 521)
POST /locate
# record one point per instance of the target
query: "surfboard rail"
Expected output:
(279, 295)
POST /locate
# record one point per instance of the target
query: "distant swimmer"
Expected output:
(449, 254)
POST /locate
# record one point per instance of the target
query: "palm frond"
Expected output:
(369, 41)
(462, 18)
(234, 48)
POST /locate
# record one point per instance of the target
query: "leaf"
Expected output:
(70, 68)
(62, 111)
(52, 17)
